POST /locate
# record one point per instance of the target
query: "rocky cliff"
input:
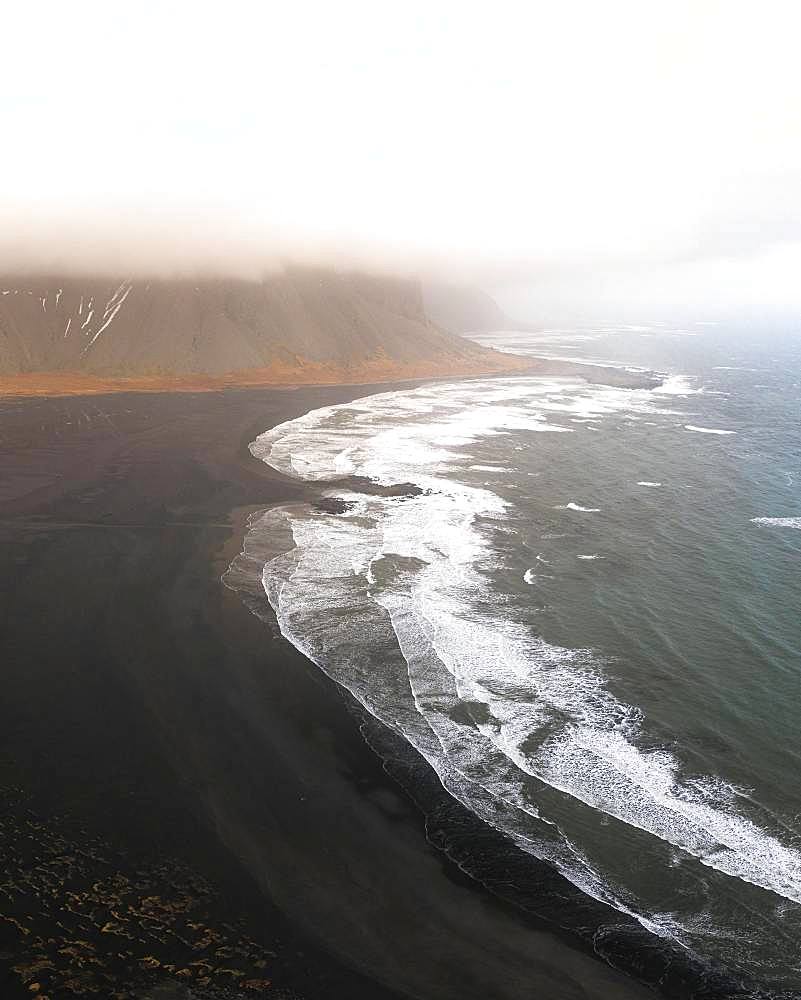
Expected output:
(294, 320)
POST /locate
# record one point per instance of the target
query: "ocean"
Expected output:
(579, 601)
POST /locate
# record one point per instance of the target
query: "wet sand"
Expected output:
(143, 704)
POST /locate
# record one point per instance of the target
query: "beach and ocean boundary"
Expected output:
(248, 732)
(480, 850)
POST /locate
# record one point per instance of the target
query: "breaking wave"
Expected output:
(393, 598)
(706, 430)
(778, 522)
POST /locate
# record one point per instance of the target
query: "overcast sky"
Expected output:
(561, 152)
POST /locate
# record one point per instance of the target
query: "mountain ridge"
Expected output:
(302, 322)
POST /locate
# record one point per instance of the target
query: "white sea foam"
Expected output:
(706, 430)
(391, 598)
(676, 385)
(578, 507)
(587, 362)
(778, 522)
(645, 482)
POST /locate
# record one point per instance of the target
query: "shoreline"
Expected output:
(145, 701)
(66, 383)
(45, 385)
(484, 856)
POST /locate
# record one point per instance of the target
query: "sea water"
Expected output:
(581, 603)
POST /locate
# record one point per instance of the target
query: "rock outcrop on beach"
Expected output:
(298, 325)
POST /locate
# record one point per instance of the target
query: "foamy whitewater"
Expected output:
(475, 535)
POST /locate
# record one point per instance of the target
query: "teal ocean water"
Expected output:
(581, 604)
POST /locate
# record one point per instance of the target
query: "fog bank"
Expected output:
(577, 157)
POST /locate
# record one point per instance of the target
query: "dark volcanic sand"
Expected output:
(159, 741)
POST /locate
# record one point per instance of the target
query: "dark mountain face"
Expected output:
(106, 327)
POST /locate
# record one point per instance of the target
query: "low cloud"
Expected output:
(588, 151)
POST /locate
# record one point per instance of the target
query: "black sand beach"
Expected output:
(160, 739)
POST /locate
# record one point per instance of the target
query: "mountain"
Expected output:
(464, 309)
(297, 325)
